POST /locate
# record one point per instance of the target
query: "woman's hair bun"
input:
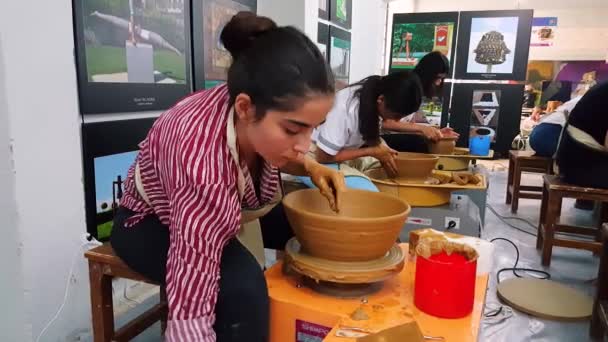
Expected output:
(240, 32)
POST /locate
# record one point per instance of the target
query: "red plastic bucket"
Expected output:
(444, 285)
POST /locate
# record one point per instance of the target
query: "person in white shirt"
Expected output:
(351, 130)
(545, 136)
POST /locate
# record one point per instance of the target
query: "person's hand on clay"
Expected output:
(386, 156)
(430, 132)
(449, 132)
(536, 113)
(330, 182)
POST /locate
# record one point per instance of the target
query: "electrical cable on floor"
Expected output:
(514, 269)
(505, 218)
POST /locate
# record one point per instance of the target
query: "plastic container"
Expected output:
(479, 145)
(444, 285)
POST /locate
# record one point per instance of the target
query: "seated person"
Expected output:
(432, 70)
(351, 131)
(582, 156)
(546, 133)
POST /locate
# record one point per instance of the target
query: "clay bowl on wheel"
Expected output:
(415, 167)
(445, 145)
(366, 227)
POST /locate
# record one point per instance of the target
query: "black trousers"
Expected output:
(242, 308)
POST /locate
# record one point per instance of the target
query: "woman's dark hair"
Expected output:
(275, 66)
(402, 93)
(428, 69)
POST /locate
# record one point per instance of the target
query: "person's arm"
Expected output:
(344, 155)
(203, 217)
(429, 132)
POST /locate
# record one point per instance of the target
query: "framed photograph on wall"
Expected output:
(414, 35)
(339, 56)
(342, 13)
(323, 39)
(109, 150)
(494, 45)
(211, 59)
(496, 107)
(324, 9)
(131, 55)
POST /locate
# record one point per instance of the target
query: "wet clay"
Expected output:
(363, 272)
(443, 146)
(409, 332)
(366, 227)
(359, 315)
(415, 166)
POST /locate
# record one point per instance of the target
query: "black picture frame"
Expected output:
(446, 101)
(516, 63)
(341, 16)
(110, 143)
(323, 39)
(341, 71)
(206, 29)
(444, 18)
(507, 125)
(324, 9)
(114, 94)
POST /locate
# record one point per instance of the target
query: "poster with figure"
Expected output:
(339, 56)
(109, 151)
(414, 35)
(132, 55)
(493, 45)
(211, 59)
(323, 39)
(543, 31)
(324, 9)
(342, 13)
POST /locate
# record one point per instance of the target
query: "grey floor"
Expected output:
(572, 267)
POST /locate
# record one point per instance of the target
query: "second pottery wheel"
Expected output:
(344, 272)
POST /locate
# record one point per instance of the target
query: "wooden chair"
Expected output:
(599, 317)
(104, 265)
(554, 190)
(525, 161)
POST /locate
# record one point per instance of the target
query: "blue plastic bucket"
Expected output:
(479, 145)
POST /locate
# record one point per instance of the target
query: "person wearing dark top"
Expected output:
(582, 156)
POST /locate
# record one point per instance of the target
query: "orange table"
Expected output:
(299, 314)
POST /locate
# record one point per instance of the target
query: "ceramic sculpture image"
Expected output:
(491, 50)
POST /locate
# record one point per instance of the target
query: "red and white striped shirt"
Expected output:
(190, 179)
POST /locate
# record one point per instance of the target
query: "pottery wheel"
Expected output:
(545, 299)
(342, 272)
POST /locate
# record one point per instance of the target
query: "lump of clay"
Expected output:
(430, 246)
(359, 315)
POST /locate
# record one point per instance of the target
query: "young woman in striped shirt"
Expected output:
(211, 163)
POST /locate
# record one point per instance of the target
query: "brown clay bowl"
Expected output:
(445, 145)
(365, 229)
(415, 167)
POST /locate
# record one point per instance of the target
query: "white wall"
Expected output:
(12, 324)
(582, 32)
(368, 29)
(41, 95)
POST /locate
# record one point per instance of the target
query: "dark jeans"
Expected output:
(544, 139)
(242, 308)
(404, 142)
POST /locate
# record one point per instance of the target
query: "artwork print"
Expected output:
(340, 61)
(492, 45)
(217, 59)
(412, 41)
(341, 12)
(134, 41)
(110, 174)
(485, 109)
(324, 9)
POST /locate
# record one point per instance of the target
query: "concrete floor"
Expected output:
(572, 267)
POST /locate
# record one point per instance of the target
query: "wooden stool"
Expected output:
(554, 190)
(103, 266)
(599, 317)
(525, 161)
